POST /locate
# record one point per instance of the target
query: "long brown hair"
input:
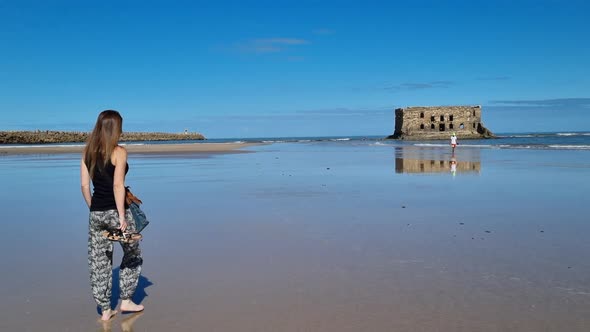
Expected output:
(103, 140)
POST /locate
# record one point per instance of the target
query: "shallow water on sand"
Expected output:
(314, 237)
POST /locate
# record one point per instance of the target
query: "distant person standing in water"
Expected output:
(453, 141)
(104, 163)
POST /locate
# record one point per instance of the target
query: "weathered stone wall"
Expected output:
(438, 122)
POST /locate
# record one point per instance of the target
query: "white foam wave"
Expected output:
(429, 144)
(570, 147)
(478, 145)
(573, 134)
(520, 147)
(205, 143)
(460, 146)
(510, 146)
(340, 139)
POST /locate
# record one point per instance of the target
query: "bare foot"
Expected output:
(129, 306)
(108, 314)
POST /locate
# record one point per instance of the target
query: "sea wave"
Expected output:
(570, 147)
(429, 144)
(340, 139)
(541, 135)
(513, 146)
(518, 136)
(462, 145)
(573, 134)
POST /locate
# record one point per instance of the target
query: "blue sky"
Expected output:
(304, 68)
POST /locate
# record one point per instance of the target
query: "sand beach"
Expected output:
(319, 236)
(140, 148)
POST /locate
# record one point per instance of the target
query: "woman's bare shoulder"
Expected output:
(120, 149)
(119, 153)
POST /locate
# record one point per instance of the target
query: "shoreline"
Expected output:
(177, 148)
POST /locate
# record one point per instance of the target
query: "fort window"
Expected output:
(432, 126)
(422, 126)
(432, 118)
(422, 115)
(450, 126)
(473, 112)
(450, 118)
(474, 125)
(442, 118)
(441, 127)
(462, 126)
(441, 163)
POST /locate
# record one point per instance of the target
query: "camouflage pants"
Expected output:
(100, 258)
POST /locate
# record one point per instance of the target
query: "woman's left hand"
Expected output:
(123, 225)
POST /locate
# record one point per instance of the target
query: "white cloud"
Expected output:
(269, 45)
(420, 85)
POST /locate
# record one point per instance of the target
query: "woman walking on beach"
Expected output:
(453, 141)
(104, 163)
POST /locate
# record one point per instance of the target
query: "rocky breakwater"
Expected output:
(49, 136)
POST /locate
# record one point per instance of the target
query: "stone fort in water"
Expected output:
(439, 122)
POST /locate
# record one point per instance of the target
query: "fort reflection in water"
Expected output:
(415, 160)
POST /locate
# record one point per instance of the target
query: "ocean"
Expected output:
(546, 141)
(552, 141)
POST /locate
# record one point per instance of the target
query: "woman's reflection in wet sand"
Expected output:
(126, 324)
(453, 163)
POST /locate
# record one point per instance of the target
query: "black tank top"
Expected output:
(103, 198)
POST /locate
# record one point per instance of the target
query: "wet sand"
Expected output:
(313, 237)
(131, 148)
